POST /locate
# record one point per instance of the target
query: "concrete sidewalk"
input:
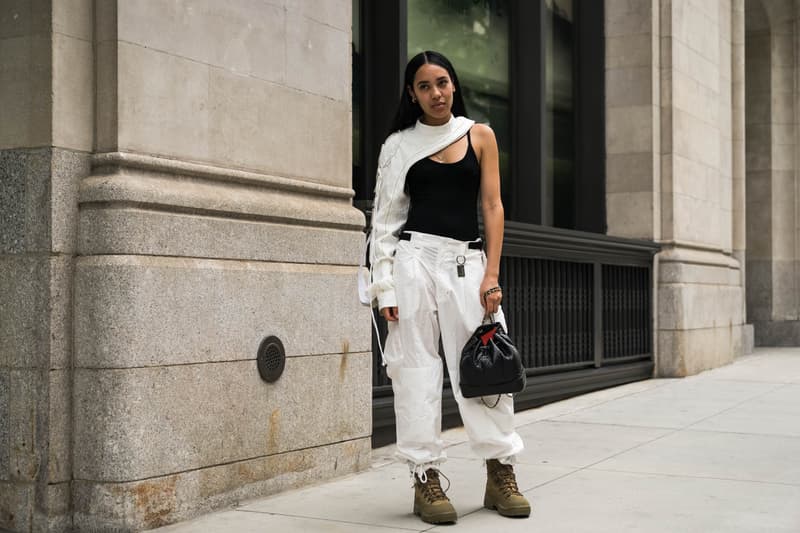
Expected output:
(716, 452)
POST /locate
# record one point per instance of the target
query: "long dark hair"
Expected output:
(407, 111)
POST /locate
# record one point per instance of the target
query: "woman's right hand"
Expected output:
(390, 313)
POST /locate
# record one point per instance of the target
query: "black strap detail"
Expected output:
(472, 245)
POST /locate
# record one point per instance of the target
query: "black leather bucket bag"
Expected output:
(490, 363)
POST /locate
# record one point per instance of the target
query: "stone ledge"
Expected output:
(136, 231)
(688, 253)
(117, 160)
(198, 196)
(154, 502)
(686, 274)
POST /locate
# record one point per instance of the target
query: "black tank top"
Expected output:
(444, 196)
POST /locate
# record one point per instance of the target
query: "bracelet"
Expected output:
(492, 290)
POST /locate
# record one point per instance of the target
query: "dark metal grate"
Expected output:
(626, 311)
(548, 307)
(271, 359)
(571, 301)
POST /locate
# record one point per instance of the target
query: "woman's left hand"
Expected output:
(490, 302)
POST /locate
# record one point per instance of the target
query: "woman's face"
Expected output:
(433, 89)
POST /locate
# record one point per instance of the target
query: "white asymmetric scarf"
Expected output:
(390, 209)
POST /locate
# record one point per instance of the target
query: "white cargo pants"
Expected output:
(431, 299)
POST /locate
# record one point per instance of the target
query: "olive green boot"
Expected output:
(430, 502)
(502, 492)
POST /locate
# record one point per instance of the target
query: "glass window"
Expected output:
(473, 35)
(558, 183)
(533, 70)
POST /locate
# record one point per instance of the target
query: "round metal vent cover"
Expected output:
(271, 359)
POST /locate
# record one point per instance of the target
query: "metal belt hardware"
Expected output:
(460, 260)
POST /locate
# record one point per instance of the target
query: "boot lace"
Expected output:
(505, 480)
(431, 488)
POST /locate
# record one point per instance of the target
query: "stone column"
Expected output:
(739, 165)
(632, 119)
(218, 212)
(678, 147)
(700, 289)
(46, 134)
(758, 133)
(773, 247)
(785, 327)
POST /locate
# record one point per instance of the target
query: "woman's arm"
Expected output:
(493, 214)
(389, 213)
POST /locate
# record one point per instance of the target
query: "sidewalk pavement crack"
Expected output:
(303, 517)
(689, 476)
(634, 393)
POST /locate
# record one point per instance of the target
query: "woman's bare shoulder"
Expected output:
(482, 138)
(483, 131)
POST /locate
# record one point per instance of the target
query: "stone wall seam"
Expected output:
(181, 262)
(64, 34)
(673, 244)
(250, 76)
(712, 328)
(224, 463)
(215, 362)
(171, 208)
(700, 263)
(311, 16)
(134, 231)
(185, 496)
(695, 284)
(323, 23)
(723, 261)
(350, 266)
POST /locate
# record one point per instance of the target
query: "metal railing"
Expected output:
(549, 307)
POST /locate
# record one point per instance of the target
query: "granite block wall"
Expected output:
(218, 212)
(166, 203)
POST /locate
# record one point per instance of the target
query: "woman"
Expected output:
(431, 277)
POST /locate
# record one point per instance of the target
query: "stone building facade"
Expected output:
(176, 186)
(701, 157)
